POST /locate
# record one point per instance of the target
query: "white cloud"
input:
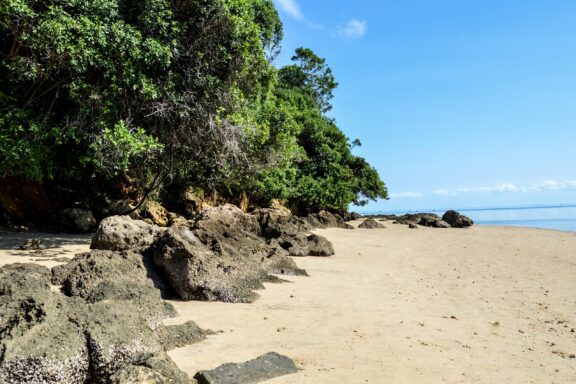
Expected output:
(545, 185)
(406, 195)
(292, 8)
(355, 29)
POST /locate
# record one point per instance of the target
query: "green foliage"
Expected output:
(185, 88)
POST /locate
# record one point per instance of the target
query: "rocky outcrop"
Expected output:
(122, 233)
(423, 219)
(370, 224)
(106, 322)
(457, 220)
(265, 367)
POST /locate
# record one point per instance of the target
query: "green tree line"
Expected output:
(171, 93)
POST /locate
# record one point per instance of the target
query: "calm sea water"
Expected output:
(561, 218)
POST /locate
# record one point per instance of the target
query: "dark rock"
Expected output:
(262, 368)
(350, 216)
(32, 244)
(325, 219)
(198, 273)
(38, 341)
(106, 275)
(78, 219)
(412, 226)
(120, 233)
(457, 220)
(370, 224)
(308, 245)
(176, 336)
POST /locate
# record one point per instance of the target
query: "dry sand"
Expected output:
(58, 248)
(397, 305)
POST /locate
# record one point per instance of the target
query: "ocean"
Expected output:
(558, 217)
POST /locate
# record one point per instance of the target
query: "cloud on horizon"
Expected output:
(292, 8)
(354, 29)
(406, 195)
(545, 185)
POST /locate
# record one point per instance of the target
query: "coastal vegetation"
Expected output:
(109, 99)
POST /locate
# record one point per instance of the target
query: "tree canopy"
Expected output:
(180, 91)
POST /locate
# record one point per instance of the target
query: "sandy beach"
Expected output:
(397, 305)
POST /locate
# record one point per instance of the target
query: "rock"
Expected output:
(308, 245)
(370, 224)
(120, 233)
(156, 213)
(32, 244)
(325, 219)
(176, 336)
(262, 368)
(28, 268)
(107, 275)
(350, 216)
(78, 219)
(441, 224)
(198, 273)
(457, 220)
(412, 226)
(155, 368)
(40, 342)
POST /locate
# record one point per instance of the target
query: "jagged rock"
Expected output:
(370, 224)
(117, 334)
(176, 336)
(457, 220)
(78, 219)
(325, 219)
(196, 272)
(120, 233)
(265, 367)
(39, 341)
(412, 226)
(107, 275)
(307, 245)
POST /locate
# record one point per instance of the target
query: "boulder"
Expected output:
(412, 226)
(121, 233)
(457, 220)
(325, 219)
(78, 219)
(307, 245)
(370, 224)
(197, 273)
(39, 339)
(265, 367)
(107, 275)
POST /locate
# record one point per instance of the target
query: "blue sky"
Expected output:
(458, 103)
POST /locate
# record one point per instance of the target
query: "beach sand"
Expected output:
(399, 305)
(396, 305)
